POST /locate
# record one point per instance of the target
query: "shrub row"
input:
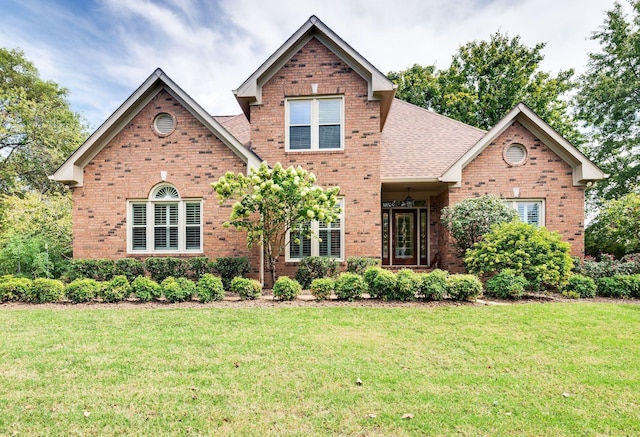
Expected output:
(607, 266)
(158, 268)
(208, 288)
(405, 285)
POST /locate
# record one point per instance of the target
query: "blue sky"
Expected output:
(102, 50)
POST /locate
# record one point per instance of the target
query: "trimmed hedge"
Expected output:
(582, 286)
(146, 289)
(433, 285)
(229, 268)
(464, 287)
(160, 268)
(314, 267)
(44, 290)
(321, 288)
(248, 289)
(82, 290)
(286, 288)
(379, 282)
(117, 289)
(209, 288)
(360, 264)
(350, 286)
(14, 289)
(507, 284)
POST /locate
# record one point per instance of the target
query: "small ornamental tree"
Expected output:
(270, 202)
(470, 219)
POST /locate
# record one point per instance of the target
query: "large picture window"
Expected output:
(314, 124)
(328, 240)
(164, 223)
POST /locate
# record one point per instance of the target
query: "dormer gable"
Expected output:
(379, 86)
(71, 172)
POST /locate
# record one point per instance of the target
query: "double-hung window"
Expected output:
(327, 240)
(315, 124)
(529, 211)
(164, 222)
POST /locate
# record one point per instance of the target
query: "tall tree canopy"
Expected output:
(486, 79)
(38, 130)
(609, 101)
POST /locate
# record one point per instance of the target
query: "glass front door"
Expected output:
(404, 237)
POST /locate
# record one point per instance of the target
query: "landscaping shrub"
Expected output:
(463, 287)
(160, 268)
(583, 286)
(433, 285)
(407, 286)
(178, 289)
(321, 288)
(198, 266)
(98, 269)
(539, 255)
(229, 268)
(117, 289)
(209, 288)
(607, 266)
(248, 289)
(286, 288)
(468, 220)
(129, 267)
(350, 286)
(14, 289)
(146, 289)
(44, 290)
(313, 267)
(380, 282)
(608, 286)
(619, 286)
(82, 290)
(360, 264)
(508, 284)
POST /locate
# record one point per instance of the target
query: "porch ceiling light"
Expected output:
(409, 200)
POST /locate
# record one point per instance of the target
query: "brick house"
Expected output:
(141, 183)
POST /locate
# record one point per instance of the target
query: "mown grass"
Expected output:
(556, 369)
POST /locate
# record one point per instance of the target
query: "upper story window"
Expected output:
(529, 211)
(315, 124)
(164, 223)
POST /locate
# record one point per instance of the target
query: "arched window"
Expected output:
(165, 222)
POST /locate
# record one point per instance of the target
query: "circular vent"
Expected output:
(515, 154)
(164, 124)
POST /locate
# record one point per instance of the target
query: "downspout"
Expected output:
(262, 261)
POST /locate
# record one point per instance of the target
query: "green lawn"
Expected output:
(533, 369)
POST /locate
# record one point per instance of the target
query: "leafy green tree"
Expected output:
(486, 79)
(609, 101)
(272, 202)
(38, 130)
(468, 220)
(616, 229)
(416, 84)
(35, 234)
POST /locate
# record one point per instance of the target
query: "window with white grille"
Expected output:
(530, 211)
(326, 240)
(164, 223)
(315, 124)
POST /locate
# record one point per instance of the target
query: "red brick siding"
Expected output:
(356, 169)
(129, 166)
(544, 175)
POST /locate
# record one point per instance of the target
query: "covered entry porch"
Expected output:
(410, 218)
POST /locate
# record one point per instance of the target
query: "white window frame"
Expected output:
(315, 240)
(315, 124)
(150, 203)
(541, 216)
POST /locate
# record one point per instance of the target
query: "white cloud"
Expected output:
(103, 52)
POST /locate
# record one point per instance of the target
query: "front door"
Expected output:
(404, 237)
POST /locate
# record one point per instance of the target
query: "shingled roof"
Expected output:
(420, 144)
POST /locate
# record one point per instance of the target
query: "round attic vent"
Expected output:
(515, 154)
(164, 124)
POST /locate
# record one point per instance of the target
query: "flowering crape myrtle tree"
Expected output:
(272, 202)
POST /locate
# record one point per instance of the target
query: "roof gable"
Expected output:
(584, 170)
(380, 87)
(71, 171)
